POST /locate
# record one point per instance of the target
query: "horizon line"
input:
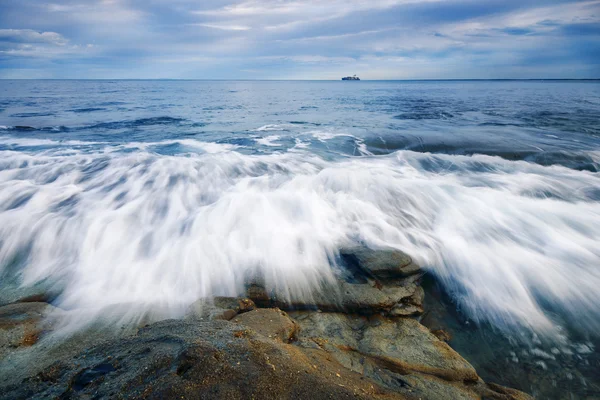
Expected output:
(301, 80)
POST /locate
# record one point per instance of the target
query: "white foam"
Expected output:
(271, 127)
(268, 140)
(149, 232)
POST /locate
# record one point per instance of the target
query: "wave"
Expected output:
(514, 243)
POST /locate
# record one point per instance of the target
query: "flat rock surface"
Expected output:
(199, 360)
(401, 344)
(386, 263)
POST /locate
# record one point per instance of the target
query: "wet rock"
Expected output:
(270, 322)
(21, 324)
(401, 345)
(224, 308)
(405, 310)
(13, 292)
(195, 359)
(442, 335)
(366, 298)
(237, 304)
(384, 264)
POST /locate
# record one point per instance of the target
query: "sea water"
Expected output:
(131, 197)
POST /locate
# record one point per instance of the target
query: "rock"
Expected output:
(399, 354)
(21, 324)
(198, 360)
(270, 322)
(342, 296)
(224, 308)
(442, 335)
(405, 310)
(237, 304)
(12, 292)
(384, 264)
(401, 345)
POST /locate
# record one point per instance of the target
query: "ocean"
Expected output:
(151, 194)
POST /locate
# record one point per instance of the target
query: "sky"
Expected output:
(277, 39)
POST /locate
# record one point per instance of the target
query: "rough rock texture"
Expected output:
(362, 346)
(21, 324)
(224, 308)
(384, 264)
(270, 322)
(336, 356)
(197, 360)
(367, 298)
(402, 345)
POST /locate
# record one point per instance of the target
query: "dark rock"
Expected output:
(384, 264)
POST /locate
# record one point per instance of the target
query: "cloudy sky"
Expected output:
(299, 39)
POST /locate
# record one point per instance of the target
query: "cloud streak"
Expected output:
(276, 39)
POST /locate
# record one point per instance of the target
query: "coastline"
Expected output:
(358, 337)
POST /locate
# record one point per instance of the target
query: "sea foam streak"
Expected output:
(147, 231)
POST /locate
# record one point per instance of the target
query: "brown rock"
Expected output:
(196, 360)
(21, 324)
(270, 322)
(442, 335)
(224, 308)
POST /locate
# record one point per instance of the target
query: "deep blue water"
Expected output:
(155, 193)
(542, 121)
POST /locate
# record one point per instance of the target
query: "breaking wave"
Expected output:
(515, 243)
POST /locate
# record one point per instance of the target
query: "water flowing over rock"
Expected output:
(351, 339)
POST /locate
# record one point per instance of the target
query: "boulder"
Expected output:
(401, 345)
(384, 263)
(365, 298)
(270, 322)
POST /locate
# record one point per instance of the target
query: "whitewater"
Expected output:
(123, 213)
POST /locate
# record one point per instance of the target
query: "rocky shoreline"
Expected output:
(357, 337)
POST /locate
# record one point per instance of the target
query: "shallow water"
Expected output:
(145, 195)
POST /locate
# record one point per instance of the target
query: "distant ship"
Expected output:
(351, 78)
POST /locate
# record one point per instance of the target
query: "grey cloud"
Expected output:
(31, 36)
